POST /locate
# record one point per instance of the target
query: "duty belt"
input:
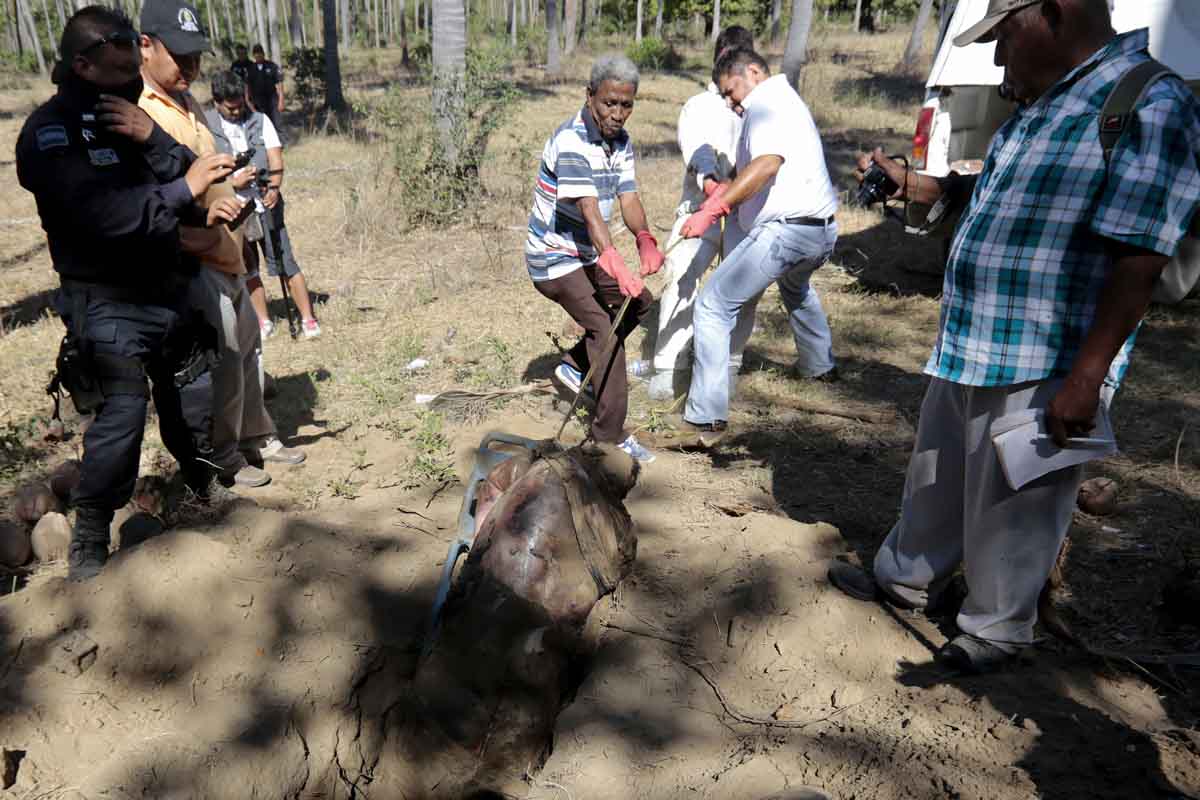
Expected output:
(134, 295)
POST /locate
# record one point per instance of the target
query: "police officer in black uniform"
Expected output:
(111, 188)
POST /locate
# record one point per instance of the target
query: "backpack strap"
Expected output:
(1122, 101)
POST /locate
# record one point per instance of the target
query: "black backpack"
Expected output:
(1182, 272)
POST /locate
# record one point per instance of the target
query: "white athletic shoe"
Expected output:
(636, 451)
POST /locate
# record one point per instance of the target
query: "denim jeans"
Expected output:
(775, 252)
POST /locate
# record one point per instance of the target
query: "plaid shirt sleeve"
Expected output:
(1153, 185)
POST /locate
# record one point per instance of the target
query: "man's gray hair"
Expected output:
(613, 67)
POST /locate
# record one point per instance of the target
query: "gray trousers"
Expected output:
(240, 417)
(958, 508)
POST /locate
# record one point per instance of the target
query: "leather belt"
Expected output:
(815, 222)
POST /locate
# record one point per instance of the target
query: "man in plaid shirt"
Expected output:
(1050, 271)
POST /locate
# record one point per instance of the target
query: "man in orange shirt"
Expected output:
(172, 44)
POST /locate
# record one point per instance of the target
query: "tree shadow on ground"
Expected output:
(1118, 762)
(897, 90)
(292, 403)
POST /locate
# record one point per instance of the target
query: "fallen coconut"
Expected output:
(1098, 496)
(65, 478)
(51, 537)
(34, 500)
(14, 544)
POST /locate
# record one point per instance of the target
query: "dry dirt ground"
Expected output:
(246, 656)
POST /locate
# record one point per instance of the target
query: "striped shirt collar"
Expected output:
(593, 131)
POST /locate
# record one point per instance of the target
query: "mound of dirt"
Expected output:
(271, 656)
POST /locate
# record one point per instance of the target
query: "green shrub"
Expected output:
(430, 189)
(306, 68)
(654, 54)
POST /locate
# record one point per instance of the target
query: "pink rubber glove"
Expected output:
(652, 258)
(614, 266)
(713, 188)
(713, 209)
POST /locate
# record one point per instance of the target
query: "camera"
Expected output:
(876, 186)
(240, 160)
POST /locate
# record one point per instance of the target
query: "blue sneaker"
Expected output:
(570, 378)
(636, 451)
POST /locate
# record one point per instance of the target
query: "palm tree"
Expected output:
(570, 25)
(553, 59)
(273, 30)
(638, 35)
(335, 101)
(449, 63)
(914, 42)
(796, 53)
(716, 28)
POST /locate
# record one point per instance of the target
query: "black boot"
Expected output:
(88, 551)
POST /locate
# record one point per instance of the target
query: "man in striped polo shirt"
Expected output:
(587, 169)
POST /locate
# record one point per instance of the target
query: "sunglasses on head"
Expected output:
(125, 39)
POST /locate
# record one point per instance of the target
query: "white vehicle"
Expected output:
(963, 107)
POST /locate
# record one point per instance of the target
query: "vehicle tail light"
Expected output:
(920, 148)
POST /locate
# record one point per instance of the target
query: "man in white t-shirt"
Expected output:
(786, 204)
(237, 128)
(708, 133)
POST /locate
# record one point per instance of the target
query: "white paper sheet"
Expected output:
(1027, 451)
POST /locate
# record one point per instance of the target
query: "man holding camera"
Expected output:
(237, 129)
(111, 188)
(785, 204)
(1050, 271)
(172, 44)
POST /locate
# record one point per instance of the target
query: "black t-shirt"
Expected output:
(262, 79)
(242, 67)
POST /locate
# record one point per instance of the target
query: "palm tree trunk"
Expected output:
(403, 34)
(264, 32)
(658, 19)
(50, 37)
(295, 20)
(553, 51)
(273, 30)
(335, 101)
(31, 35)
(229, 20)
(918, 33)
(345, 11)
(857, 15)
(637, 36)
(512, 23)
(716, 25)
(213, 31)
(570, 24)
(449, 63)
(777, 20)
(796, 53)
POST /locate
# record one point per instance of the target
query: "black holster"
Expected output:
(75, 374)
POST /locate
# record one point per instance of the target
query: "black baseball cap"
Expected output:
(176, 24)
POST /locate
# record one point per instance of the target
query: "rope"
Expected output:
(612, 332)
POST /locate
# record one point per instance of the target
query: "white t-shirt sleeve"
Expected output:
(768, 133)
(269, 134)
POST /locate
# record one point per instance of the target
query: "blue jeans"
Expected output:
(775, 252)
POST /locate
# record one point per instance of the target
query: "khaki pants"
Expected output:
(958, 508)
(240, 418)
